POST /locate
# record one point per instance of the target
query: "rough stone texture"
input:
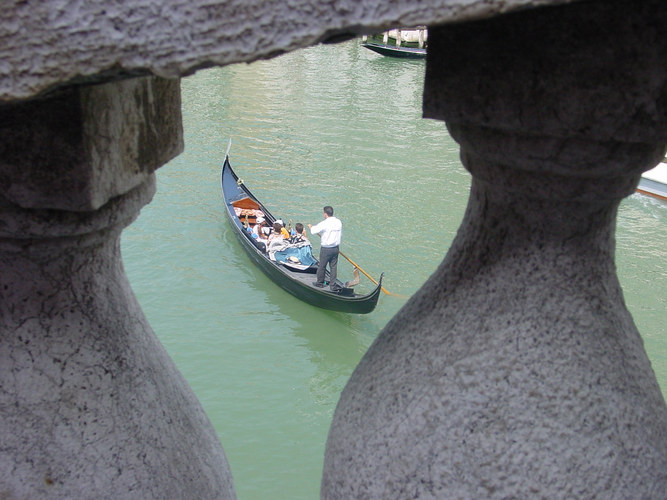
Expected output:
(516, 371)
(91, 404)
(46, 44)
(85, 145)
(599, 74)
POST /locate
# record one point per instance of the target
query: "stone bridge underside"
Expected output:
(516, 371)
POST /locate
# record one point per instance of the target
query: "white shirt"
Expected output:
(331, 229)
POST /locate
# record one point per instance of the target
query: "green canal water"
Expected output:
(336, 125)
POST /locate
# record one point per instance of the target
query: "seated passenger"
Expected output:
(258, 225)
(300, 236)
(276, 241)
(261, 232)
(275, 231)
(299, 250)
(282, 229)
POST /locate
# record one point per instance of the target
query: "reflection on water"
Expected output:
(336, 125)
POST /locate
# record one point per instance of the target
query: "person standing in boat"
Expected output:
(330, 231)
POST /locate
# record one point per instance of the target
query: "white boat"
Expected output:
(408, 43)
(654, 182)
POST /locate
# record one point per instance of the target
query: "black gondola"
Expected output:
(297, 280)
(406, 43)
(394, 51)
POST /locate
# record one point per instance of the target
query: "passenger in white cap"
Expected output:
(256, 229)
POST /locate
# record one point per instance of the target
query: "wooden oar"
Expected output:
(369, 276)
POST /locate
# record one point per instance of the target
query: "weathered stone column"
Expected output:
(517, 371)
(91, 405)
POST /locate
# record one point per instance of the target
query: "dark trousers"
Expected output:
(328, 256)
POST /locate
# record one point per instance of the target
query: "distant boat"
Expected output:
(407, 43)
(654, 181)
(297, 278)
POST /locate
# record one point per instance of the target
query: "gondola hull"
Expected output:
(297, 282)
(393, 51)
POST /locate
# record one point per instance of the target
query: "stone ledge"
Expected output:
(86, 145)
(48, 44)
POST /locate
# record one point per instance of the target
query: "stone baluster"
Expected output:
(91, 404)
(516, 371)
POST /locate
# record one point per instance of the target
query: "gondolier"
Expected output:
(330, 231)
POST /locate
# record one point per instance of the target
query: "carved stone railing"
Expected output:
(516, 371)
(91, 404)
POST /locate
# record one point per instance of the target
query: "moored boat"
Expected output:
(654, 182)
(410, 43)
(294, 276)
